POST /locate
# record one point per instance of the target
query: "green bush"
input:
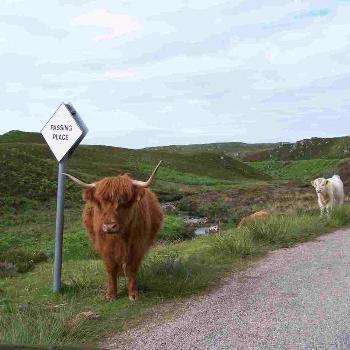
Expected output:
(23, 261)
(174, 229)
(217, 210)
(7, 269)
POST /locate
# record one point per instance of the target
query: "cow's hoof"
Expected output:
(133, 296)
(111, 296)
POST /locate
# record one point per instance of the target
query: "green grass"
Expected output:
(29, 232)
(297, 169)
(31, 314)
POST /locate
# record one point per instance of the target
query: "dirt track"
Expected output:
(296, 298)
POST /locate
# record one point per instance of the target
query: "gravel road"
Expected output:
(296, 298)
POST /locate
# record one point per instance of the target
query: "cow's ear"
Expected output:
(89, 195)
(327, 182)
(139, 192)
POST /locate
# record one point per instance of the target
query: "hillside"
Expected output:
(232, 149)
(314, 148)
(28, 169)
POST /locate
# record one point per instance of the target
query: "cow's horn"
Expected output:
(149, 181)
(79, 182)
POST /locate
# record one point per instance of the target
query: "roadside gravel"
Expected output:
(297, 298)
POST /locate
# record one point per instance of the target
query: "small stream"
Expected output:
(201, 231)
(201, 225)
(206, 230)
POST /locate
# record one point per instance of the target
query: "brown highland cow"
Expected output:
(122, 217)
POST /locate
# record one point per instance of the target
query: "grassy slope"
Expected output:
(298, 169)
(29, 170)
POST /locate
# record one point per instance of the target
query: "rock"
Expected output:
(213, 228)
(168, 207)
(23, 307)
(196, 221)
(83, 316)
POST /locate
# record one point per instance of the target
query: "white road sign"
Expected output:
(64, 131)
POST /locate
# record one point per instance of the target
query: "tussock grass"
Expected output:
(340, 216)
(286, 230)
(234, 242)
(167, 274)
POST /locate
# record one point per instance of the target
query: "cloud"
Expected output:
(314, 13)
(121, 74)
(33, 26)
(116, 24)
(181, 71)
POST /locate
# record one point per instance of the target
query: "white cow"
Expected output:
(330, 192)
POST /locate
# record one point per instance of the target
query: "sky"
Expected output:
(150, 73)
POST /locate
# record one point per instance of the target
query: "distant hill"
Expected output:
(232, 149)
(314, 148)
(21, 136)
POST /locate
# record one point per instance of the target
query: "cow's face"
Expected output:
(114, 199)
(320, 185)
(110, 221)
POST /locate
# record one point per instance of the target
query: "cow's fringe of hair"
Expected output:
(114, 189)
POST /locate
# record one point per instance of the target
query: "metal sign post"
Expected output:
(62, 166)
(63, 133)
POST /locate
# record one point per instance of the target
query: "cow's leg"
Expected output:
(132, 286)
(131, 271)
(112, 273)
(322, 209)
(331, 203)
(320, 204)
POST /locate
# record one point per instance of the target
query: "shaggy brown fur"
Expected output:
(136, 217)
(262, 214)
